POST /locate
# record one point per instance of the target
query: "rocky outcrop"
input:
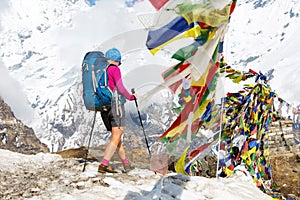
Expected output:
(282, 137)
(15, 136)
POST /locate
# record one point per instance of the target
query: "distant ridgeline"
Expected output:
(15, 136)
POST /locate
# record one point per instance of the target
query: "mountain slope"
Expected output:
(43, 43)
(15, 136)
(263, 35)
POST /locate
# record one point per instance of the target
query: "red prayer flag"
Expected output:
(232, 7)
(198, 150)
(157, 4)
(172, 72)
(252, 71)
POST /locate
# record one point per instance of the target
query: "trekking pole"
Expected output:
(137, 107)
(220, 134)
(87, 152)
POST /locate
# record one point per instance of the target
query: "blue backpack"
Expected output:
(96, 94)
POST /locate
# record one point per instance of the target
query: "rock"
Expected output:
(80, 185)
(16, 136)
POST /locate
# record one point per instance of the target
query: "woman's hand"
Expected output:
(135, 95)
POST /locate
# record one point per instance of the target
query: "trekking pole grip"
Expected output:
(133, 92)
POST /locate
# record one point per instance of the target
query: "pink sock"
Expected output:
(125, 161)
(105, 162)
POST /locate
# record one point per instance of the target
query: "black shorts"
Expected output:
(114, 117)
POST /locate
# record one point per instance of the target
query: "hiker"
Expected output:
(114, 118)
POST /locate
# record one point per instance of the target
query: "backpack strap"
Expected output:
(106, 76)
(96, 85)
(94, 81)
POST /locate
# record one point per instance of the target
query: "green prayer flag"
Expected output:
(185, 53)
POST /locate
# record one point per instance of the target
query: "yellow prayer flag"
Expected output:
(213, 18)
(179, 166)
(193, 32)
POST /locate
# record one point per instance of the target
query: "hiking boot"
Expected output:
(108, 169)
(127, 167)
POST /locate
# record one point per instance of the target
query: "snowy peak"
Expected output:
(264, 35)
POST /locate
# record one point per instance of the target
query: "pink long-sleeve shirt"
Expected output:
(115, 80)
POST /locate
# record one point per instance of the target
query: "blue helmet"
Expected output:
(113, 54)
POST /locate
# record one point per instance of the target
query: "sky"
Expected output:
(48, 176)
(11, 91)
(3, 7)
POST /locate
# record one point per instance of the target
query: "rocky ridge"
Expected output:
(15, 136)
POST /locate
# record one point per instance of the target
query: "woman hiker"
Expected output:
(114, 118)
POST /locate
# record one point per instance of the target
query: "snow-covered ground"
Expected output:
(48, 176)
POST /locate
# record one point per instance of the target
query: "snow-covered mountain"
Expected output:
(42, 44)
(264, 35)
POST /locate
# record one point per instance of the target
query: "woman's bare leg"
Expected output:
(115, 140)
(121, 151)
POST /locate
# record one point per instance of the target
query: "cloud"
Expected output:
(13, 95)
(3, 6)
(92, 27)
